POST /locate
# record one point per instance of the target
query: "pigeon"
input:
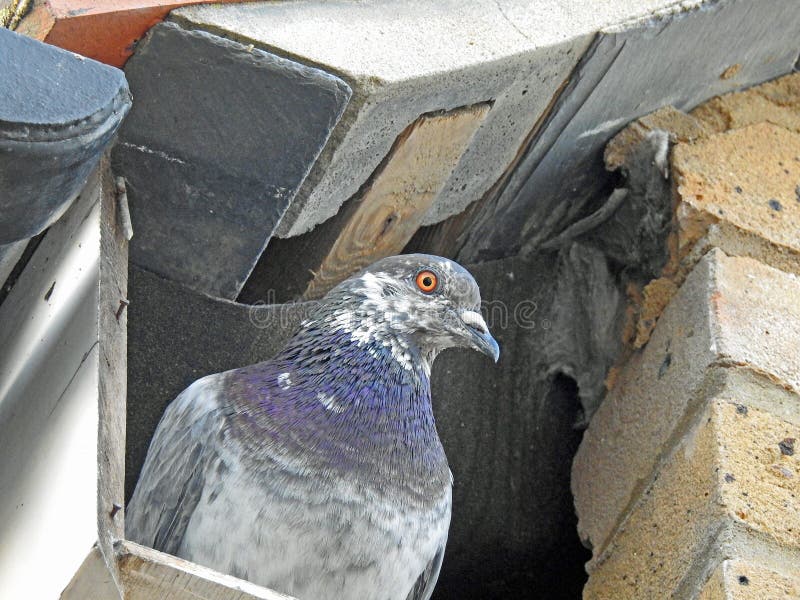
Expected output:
(319, 473)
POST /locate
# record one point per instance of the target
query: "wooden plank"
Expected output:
(112, 318)
(147, 574)
(100, 29)
(393, 204)
(93, 581)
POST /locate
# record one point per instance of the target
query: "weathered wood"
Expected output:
(112, 384)
(147, 574)
(394, 203)
(93, 581)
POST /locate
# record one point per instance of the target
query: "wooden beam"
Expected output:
(146, 574)
(392, 206)
(93, 581)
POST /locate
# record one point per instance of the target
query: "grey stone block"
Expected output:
(58, 111)
(220, 138)
(627, 73)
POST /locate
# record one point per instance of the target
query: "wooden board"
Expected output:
(93, 581)
(447, 237)
(112, 318)
(147, 574)
(392, 206)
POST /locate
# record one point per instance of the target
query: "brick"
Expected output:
(749, 580)
(730, 313)
(740, 191)
(726, 485)
(776, 102)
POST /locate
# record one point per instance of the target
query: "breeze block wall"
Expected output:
(687, 481)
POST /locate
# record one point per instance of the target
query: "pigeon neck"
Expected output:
(354, 405)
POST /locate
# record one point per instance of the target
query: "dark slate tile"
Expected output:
(57, 114)
(220, 138)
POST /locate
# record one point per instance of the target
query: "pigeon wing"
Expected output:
(423, 587)
(174, 473)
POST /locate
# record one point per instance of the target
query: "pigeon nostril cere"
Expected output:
(474, 319)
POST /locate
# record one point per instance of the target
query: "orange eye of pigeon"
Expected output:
(427, 281)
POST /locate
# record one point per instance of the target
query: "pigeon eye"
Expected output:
(427, 281)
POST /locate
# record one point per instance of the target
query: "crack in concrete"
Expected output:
(509, 21)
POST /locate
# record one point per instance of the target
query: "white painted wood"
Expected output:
(9, 255)
(49, 408)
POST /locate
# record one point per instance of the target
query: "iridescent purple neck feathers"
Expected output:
(345, 405)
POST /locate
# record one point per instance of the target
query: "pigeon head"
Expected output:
(413, 302)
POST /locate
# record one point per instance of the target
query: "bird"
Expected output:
(319, 473)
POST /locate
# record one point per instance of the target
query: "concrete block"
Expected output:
(739, 191)
(59, 111)
(425, 57)
(728, 490)
(729, 313)
(749, 580)
(681, 59)
(219, 140)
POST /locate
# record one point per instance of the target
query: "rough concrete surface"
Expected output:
(628, 72)
(729, 311)
(219, 140)
(405, 60)
(729, 482)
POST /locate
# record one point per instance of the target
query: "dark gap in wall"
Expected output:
(549, 569)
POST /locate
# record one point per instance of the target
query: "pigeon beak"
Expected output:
(479, 335)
